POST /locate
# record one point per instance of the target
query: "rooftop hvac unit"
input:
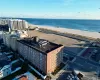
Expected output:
(36, 39)
(43, 43)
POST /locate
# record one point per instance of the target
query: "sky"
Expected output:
(70, 9)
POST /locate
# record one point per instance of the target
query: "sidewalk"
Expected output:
(54, 77)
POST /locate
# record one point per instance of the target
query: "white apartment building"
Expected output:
(17, 24)
(10, 39)
(3, 21)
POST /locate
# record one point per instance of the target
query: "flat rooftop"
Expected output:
(41, 45)
(4, 60)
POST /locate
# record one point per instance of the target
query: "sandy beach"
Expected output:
(89, 34)
(72, 45)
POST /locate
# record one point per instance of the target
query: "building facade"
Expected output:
(17, 24)
(44, 55)
(10, 39)
(3, 21)
(5, 71)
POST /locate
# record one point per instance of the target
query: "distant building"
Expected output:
(44, 55)
(3, 21)
(13, 24)
(17, 24)
(4, 25)
(5, 67)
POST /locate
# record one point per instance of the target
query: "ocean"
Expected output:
(86, 25)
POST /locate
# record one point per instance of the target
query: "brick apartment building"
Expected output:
(44, 55)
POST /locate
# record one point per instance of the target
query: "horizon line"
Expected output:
(54, 18)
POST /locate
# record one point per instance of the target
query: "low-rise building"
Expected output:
(25, 76)
(5, 67)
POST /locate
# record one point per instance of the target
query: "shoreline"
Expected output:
(87, 34)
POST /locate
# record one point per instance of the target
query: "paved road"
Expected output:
(84, 65)
(80, 59)
(64, 76)
(69, 53)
